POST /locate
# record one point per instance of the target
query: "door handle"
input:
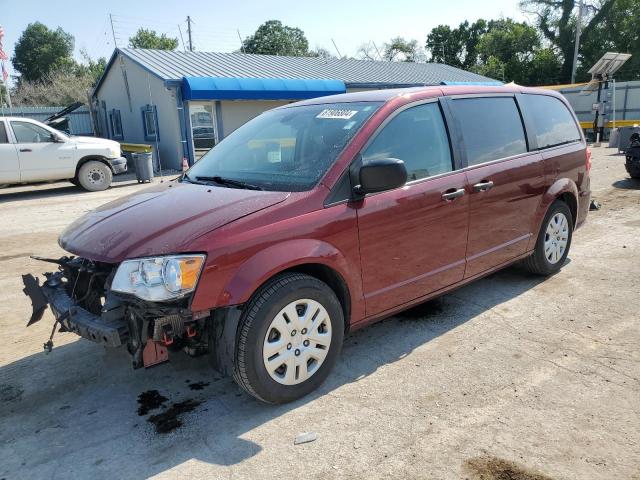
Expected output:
(483, 186)
(452, 194)
(25, 149)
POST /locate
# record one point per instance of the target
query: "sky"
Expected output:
(349, 23)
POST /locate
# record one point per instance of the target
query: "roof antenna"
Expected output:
(241, 42)
(336, 47)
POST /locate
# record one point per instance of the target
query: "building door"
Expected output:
(203, 127)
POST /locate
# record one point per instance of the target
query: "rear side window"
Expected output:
(3, 133)
(491, 128)
(553, 122)
(418, 137)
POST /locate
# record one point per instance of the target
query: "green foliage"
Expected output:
(618, 31)
(556, 21)
(511, 44)
(58, 88)
(150, 39)
(456, 46)
(400, 49)
(274, 38)
(40, 51)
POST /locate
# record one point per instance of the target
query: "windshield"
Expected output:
(287, 149)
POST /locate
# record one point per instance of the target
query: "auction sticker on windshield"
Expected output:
(336, 113)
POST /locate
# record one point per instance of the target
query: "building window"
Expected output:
(150, 122)
(116, 124)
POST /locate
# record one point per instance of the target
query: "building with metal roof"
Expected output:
(185, 102)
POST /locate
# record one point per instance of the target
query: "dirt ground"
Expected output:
(512, 377)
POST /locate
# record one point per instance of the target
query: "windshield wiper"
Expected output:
(230, 182)
(190, 180)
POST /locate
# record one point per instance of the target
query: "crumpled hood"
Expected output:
(159, 220)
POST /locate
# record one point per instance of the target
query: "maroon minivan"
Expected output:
(320, 217)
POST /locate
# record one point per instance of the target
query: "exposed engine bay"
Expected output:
(80, 296)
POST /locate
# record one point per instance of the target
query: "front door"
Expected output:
(9, 165)
(413, 239)
(505, 181)
(40, 157)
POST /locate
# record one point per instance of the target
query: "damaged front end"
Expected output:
(83, 301)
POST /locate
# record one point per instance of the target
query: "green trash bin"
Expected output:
(144, 166)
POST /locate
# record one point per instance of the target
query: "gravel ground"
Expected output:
(513, 375)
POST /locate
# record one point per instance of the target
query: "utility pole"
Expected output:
(113, 32)
(577, 44)
(189, 33)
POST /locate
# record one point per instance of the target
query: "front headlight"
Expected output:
(114, 152)
(158, 278)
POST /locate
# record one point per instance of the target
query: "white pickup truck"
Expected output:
(33, 152)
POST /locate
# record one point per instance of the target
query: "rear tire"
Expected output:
(289, 337)
(94, 176)
(554, 241)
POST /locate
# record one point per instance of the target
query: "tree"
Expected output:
(399, 49)
(368, 51)
(274, 38)
(91, 67)
(456, 46)
(39, 51)
(321, 52)
(57, 88)
(617, 32)
(510, 45)
(150, 39)
(557, 23)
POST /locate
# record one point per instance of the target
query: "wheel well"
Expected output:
(84, 160)
(334, 280)
(572, 203)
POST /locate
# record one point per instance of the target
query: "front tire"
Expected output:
(554, 241)
(289, 337)
(95, 176)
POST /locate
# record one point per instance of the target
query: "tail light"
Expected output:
(588, 164)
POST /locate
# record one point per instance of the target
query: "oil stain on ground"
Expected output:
(198, 385)
(169, 420)
(492, 468)
(150, 400)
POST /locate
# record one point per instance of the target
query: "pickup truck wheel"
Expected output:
(289, 337)
(95, 176)
(554, 241)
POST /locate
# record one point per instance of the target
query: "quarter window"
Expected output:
(26, 132)
(491, 128)
(553, 122)
(418, 137)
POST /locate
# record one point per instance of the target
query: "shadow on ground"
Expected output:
(74, 412)
(39, 191)
(627, 184)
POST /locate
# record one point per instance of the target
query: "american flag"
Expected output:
(5, 74)
(3, 55)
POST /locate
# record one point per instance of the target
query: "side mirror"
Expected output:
(380, 175)
(55, 138)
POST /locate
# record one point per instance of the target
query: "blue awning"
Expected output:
(217, 88)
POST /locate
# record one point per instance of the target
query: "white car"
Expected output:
(33, 152)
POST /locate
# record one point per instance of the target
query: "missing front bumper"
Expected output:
(71, 317)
